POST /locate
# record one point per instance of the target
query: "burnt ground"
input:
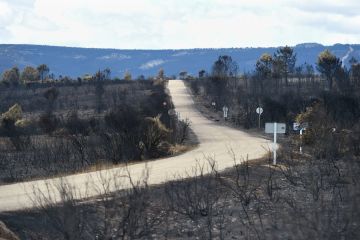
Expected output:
(80, 128)
(253, 200)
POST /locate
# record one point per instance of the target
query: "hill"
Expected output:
(75, 62)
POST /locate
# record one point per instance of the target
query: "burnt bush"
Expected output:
(48, 122)
(344, 109)
(124, 119)
(75, 125)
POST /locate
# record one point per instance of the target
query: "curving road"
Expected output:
(215, 141)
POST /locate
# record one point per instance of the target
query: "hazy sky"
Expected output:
(159, 24)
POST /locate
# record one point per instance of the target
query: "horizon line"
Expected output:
(173, 49)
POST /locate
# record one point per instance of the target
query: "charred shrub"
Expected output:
(51, 95)
(48, 122)
(123, 119)
(75, 125)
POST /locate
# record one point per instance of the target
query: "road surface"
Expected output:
(215, 143)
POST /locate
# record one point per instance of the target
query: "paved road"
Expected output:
(215, 141)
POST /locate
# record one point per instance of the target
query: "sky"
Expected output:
(178, 24)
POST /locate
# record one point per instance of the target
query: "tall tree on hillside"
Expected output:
(202, 73)
(287, 59)
(183, 74)
(11, 76)
(263, 69)
(328, 64)
(224, 68)
(342, 78)
(309, 72)
(276, 72)
(299, 72)
(107, 73)
(29, 74)
(43, 70)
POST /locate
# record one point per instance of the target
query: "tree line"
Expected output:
(279, 84)
(14, 77)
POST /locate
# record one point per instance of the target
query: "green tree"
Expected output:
(328, 64)
(287, 59)
(11, 76)
(43, 71)
(29, 74)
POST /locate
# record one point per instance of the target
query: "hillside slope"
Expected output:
(79, 61)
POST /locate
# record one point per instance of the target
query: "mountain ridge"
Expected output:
(77, 61)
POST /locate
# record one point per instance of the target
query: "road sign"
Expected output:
(296, 126)
(275, 128)
(270, 128)
(300, 126)
(225, 111)
(171, 112)
(259, 110)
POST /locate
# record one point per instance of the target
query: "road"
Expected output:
(215, 142)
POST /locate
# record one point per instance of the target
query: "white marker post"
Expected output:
(274, 146)
(225, 110)
(300, 127)
(275, 128)
(301, 133)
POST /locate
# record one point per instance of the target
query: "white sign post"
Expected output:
(225, 110)
(259, 111)
(275, 128)
(300, 127)
(301, 133)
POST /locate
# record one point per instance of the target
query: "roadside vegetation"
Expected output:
(52, 127)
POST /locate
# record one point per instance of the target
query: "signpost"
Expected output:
(275, 128)
(259, 111)
(296, 126)
(225, 111)
(171, 112)
(300, 127)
